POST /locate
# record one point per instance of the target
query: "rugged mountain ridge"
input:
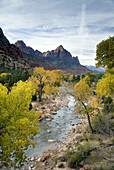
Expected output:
(34, 56)
(61, 57)
(19, 55)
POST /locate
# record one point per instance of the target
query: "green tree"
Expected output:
(82, 93)
(18, 125)
(105, 53)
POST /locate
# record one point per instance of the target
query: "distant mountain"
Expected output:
(96, 70)
(59, 58)
(34, 56)
(18, 55)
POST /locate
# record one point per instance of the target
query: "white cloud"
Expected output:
(44, 24)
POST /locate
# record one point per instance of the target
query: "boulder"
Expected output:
(61, 165)
(72, 124)
(51, 141)
(62, 158)
(49, 131)
(87, 167)
(54, 113)
(52, 164)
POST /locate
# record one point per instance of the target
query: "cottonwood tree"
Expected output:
(45, 81)
(82, 93)
(18, 125)
(105, 86)
(105, 53)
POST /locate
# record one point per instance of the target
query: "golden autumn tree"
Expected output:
(18, 124)
(82, 93)
(44, 80)
(105, 86)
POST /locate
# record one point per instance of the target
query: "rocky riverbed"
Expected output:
(54, 158)
(56, 135)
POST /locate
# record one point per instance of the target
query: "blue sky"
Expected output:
(78, 25)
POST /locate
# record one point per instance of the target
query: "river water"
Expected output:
(59, 126)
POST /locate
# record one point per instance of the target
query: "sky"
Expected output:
(77, 25)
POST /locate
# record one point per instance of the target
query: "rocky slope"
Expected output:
(10, 56)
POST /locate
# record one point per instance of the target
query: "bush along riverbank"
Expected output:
(82, 150)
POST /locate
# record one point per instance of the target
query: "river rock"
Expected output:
(49, 131)
(32, 158)
(87, 167)
(62, 158)
(54, 113)
(48, 119)
(52, 164)
(32, 166)
(51, 141)
(72, 124)
(43, 107)
(61, 165)
(73, 130)
(81, 163)
(38, 160)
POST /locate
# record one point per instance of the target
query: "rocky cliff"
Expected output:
(62, 58)
(10, 56)
(34, 56)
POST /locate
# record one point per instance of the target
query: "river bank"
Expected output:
(97, 147)
(54, 158)
(48, 160)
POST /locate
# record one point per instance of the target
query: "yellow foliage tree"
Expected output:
(87, 79)
(44, 78)
(95, 103)
(82, 93)
(18, 125)
(105, 86)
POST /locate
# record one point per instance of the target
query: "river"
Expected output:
(59, 126)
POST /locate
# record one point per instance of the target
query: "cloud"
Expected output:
(79, 25)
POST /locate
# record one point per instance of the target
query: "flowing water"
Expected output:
(59, 126)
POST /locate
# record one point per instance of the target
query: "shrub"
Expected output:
(108, 105)
(73, 159)
(102, 124)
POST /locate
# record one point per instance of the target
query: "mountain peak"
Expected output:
(1, 32)
(59, 48)
(2, 37)
(20, 43)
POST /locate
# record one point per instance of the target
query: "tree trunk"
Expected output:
(88, 118)
(40, 93)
